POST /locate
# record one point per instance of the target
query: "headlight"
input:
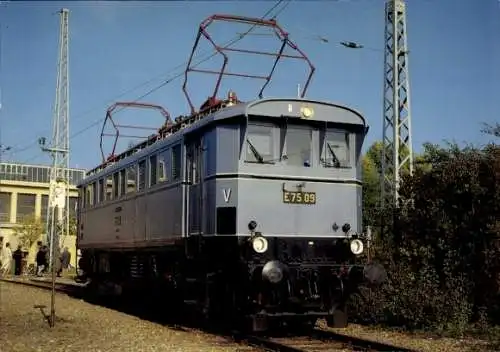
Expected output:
(356, 247)
(259, 244)
(272, 272)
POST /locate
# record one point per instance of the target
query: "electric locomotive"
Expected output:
(243, 210)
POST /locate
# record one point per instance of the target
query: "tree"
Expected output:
(371, 189)
(29, 230)
(493, 130)
(72, 227)
(443, 255)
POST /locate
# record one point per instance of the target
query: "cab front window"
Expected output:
(298, 146)
(259, 144)
(335, 151)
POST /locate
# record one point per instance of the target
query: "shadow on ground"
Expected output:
(174, 318)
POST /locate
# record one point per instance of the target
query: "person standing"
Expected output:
(6, 259)
(18, 260)
(41, 260)
(65, 260)
(1, 248)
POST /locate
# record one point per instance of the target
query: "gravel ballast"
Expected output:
(416, 342)
(83, 326)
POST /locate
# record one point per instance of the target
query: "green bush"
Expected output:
(441, 246)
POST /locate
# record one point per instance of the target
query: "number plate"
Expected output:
(299, 197)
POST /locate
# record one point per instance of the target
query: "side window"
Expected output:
(163, 170)
(88, 195)
(131, 179)
(335, 149)
(109, 187)
(153, 170)
(101, 190)
(176, 162)
(116, 184)
(142, 175)
(259, 143)
(193, 158)
(94, 193)
(298, 146)
(123, 182)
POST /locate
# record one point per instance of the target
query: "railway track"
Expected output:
(71, 289)
(318, 340)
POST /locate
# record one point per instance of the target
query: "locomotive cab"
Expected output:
(287, 184)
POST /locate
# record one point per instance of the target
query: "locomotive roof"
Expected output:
(266, 107)
(280, 107)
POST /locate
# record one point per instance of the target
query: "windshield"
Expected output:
(260, 146)
(298, 141)
(292, 145)
(335, 150)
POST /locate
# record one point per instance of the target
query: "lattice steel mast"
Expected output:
(397, 154)
(57, 209)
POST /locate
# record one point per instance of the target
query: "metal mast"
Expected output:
(397, 152)
(57, 209)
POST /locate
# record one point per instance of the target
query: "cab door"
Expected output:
(140, 224)
(194, 167)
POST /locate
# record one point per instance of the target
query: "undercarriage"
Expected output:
(224, 281)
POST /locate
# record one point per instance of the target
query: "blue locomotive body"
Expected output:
(255, 206)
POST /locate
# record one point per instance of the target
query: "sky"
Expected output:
(132, 47)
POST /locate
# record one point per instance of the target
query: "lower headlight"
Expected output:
(273, 272)
(356, 247)
(259, 244)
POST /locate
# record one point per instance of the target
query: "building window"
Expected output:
(176, 162)
(142, 175)
(131, 179)
(25, 205)
(73, 201)
(298, 146)
(5, 207)
(153, 170)
(75, 176)
(259, 143)
(335, 149)
(43, 175)
(45, 207)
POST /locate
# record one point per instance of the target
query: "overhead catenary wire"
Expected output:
(233, 41)
(214, 52)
